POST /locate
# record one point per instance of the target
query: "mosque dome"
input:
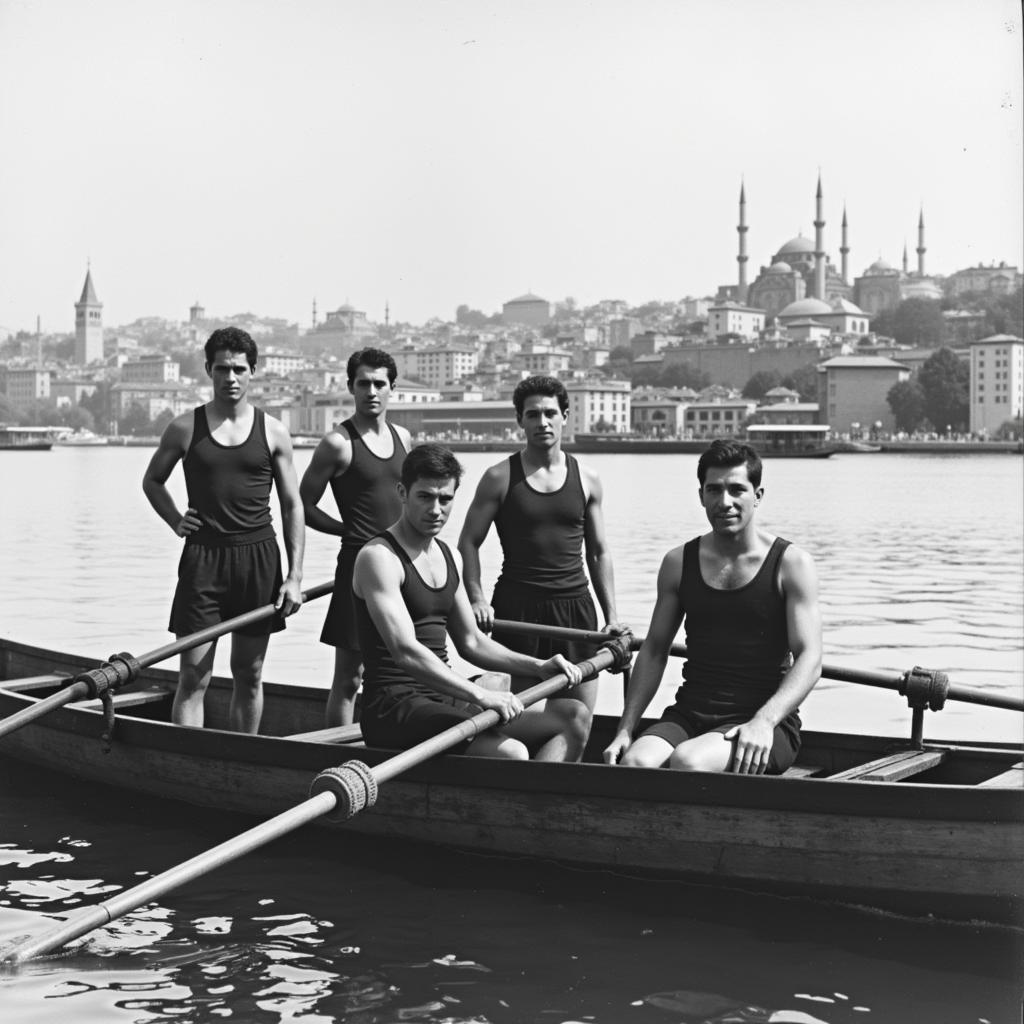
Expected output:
(806, 307)
(880, 267)
(846, 306)
(798, 246)
(781, 267)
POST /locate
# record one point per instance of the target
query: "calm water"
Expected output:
(920, 561)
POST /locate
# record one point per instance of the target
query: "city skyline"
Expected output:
(256, 156)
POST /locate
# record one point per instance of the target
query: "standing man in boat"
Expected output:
(753, 637)
(547, 510)
(408, 597)
(231, 454)
(362, 462)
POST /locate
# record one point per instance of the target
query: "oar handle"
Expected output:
(322, 802)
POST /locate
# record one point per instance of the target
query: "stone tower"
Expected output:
(88, 325)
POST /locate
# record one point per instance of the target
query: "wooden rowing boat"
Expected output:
(861, 819)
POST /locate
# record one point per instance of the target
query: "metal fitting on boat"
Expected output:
(114, 673)
(353, 785)
(925, 688)
(619, 646)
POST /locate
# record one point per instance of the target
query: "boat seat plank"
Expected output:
(1013, 777)
(335, 734)
(803, 771)
(892, 768)
(129, 699)
(30, 683)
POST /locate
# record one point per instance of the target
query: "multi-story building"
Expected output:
(282, 363)
(997, 382)
(997, 280)
(88, 325)
(152, 398)
(545, 362)
(598, 406)
(717, 417)
(437, 365)
(852, 392)
(732, 318)
(150, 370)
(27, 385)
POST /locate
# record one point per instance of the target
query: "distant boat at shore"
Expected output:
(25, 439)
(80, 439)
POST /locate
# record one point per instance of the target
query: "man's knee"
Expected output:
(575, 717)
(700, 757)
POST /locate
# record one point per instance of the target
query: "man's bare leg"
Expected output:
(348, 676)
(247, 654)
(194, 672)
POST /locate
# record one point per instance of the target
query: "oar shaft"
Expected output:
(865, 677)
(103, 913)
(309, 810)
(76, 691)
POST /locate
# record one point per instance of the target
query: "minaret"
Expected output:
(906, 265)
(387, 313)
(88, 324)
(920, 244)
(314, 314)
(819, 245)
(741, 259)
(844, 249)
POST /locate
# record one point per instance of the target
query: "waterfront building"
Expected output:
(157, 369)
(788, 413)
(717, 415)
(88, 325)
(26, 385)
(997, 382)
(544, 361)
(436, 365)
(663, 416)
(598, 406)
(529, 310)
(853, 390)
(153, 399)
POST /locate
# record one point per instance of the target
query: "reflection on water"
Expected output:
(318, 928)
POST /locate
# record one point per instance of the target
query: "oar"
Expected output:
(345, 790)
(865, 677)
(123, 668)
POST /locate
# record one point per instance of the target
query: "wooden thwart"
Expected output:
(335, 734)
(129, 699)
(893, 767)
(1013, 776)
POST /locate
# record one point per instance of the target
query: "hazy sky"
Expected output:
(256, 154)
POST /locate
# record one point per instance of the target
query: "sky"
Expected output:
(255, 155)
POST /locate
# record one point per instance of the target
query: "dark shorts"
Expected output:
(218, 582)
(398, 717)
(785, 745)
(340, 623)
(532, 604)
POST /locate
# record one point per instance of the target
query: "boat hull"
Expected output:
(952, 849)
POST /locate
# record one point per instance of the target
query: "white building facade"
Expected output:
(997, 382)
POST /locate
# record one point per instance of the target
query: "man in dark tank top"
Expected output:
(547, 510)
(232, 455)
(409, 599)
(362, 462)
(749, 601)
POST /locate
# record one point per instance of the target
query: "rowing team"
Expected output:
(748, 599)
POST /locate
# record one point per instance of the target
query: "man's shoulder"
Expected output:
(179, 430)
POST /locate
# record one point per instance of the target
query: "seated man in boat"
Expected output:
(753, 636)
(409, 594)
(232, 455)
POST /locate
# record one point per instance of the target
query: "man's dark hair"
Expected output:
(231, 339)
(375, 359)
(725, 455)
(552, 387)
(430, 462)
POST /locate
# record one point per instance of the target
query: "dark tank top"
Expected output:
(367, 492)
(428, 608)
(542, 533)
(229, 485)
(737, 644)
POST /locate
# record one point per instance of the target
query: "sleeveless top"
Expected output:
(542, 533)
(736, 640)
(229, 485)
(428, 608)
(367, 493)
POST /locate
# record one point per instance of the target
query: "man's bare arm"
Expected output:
(333, 455)
(649, 667)
(599, 557)
(170, 451)
(293, 525)
(481, 514)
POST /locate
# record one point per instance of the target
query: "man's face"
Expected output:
(542, 421)
(729, 499)
(428, 504)
(371, 389)
(230, 373)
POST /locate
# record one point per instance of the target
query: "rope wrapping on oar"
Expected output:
(117, 671)
(353, 785)
(925, 688)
